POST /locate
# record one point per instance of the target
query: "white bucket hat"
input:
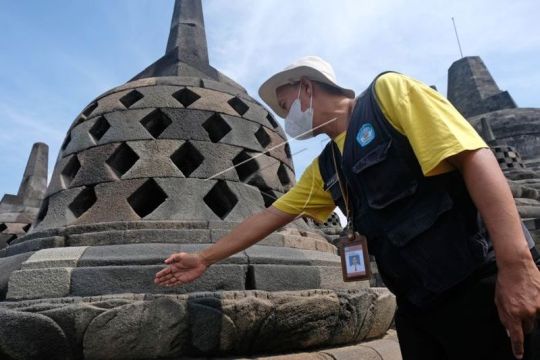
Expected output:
(311, 67)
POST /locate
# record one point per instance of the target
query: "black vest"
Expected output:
(425, 232)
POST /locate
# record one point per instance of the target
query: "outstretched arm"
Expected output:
(186, 267)
(518, 281)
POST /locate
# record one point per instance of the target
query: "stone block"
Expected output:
(94, 168)
(7, 266)
(186, 124)
(39, 283)
(384, 312)
(160, 331)
(142, 254)
(31, 336)
(242, 133)
(332, 278)
(55, 257)
(173, 236)
(74, 319)
(154, 158)
(284, 277)
(88, 281)
(35, 244)
(278, 255)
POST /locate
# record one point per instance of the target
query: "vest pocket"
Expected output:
(420, 217)
(434, 245)
(384, 181)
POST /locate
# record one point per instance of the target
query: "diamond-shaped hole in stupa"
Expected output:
(156, 122)
(221, 199)
(147, 198)
(187, 158)
(99, 128)
(122, 159)
(186, 97)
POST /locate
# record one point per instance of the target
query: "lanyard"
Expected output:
(345, 194)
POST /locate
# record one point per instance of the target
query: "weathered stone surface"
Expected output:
(356, 316)
(74, 320)
(35, 244)
(519, 128)
(88, 281)
(39, 283)
(142, 330)
(18, 212)
(331, 277)
(7, 266)
(284, 277)
(142, 254)
(472, 89)
(210, 324)
(55, 257)
(384, 310)
(278, 255)
(26, 336)
(299, 323)
(134, 236)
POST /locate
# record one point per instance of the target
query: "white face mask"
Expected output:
(298, 123)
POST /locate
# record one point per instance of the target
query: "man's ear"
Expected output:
(308, 84)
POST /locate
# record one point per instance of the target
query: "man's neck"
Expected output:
(342, 111)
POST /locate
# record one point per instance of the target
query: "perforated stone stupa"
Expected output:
(513, 133)
(18, 212)
(169, 162)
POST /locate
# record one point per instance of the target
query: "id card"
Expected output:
(355, 263)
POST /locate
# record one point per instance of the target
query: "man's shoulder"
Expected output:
(393, 79)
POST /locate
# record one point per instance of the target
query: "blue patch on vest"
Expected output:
(365, 135)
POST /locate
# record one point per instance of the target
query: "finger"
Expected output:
(164, 272)
(166, 281)
(162, 279)
(516, 337)
(174, 258)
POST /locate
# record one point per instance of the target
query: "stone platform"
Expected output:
(207, 324)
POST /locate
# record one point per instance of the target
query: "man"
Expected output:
(423, 187)
(355, 265)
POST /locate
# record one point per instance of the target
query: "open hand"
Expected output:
(183, 268)
(517, 297)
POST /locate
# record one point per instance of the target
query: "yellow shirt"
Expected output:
(435, 129)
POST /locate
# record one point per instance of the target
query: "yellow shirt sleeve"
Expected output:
(307, 197)
(435, 129)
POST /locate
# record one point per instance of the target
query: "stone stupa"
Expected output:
(512, 132)
(169, 162)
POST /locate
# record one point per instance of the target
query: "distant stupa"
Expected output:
(512, 132)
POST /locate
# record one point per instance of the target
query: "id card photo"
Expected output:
(355, 261)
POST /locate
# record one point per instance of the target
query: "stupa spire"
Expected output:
(187, 50)
(187, 34)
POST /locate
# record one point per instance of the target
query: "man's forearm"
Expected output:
(247, 233)
(492, 196)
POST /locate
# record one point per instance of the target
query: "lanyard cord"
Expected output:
(345, 194)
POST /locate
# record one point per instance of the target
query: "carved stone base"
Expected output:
(156, 326)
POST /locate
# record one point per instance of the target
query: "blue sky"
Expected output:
(57, 55)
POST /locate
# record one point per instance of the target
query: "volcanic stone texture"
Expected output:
(167, 149)
(519, 128)
(472, 89)
(193, 325)
(18, 212)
